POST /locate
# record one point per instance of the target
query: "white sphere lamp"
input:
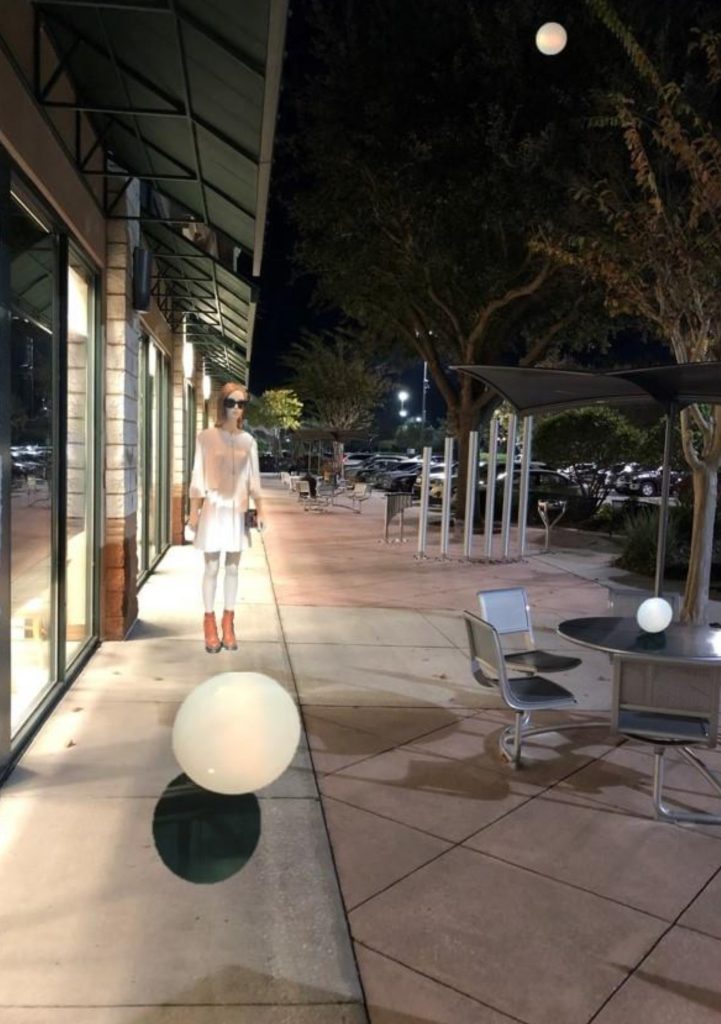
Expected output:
(551, 38)
(236, 733)
(654, 615)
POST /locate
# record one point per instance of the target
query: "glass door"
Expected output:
(33, 287)
(48, 475)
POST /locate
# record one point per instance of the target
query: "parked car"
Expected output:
(375, 465)
(622, 479)
(647, 483)
(404, 476)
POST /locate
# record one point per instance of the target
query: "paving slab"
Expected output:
(159, 670)
(353, 674)
(445, 798)
(92, 916)
(704, 914)
(318, 1013)
(373, 626)
(678, 983)
(372, 853)
(631, 860)
(473, 917)
(398, 995)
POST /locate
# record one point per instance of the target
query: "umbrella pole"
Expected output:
(663, 510)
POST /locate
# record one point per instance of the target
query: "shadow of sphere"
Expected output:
(205, 837)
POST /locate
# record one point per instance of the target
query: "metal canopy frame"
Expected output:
(534, 389)
(196, 129)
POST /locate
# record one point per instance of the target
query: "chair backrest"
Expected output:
(657, 701)
(625, 601)
(488, 665)
(506, 610)
(303, 488)
(360, 490)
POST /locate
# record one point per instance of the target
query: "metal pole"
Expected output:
(524, 484)
(423, 403)
(491, 486)
(663, 510)
(508, 486)
(471, 488)
(423, 519)
(446, 507)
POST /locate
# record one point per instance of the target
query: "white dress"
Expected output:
(226, 476)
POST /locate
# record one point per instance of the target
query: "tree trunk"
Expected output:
(699, 564)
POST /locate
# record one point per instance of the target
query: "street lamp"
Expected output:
(403, 397)
(551, 38)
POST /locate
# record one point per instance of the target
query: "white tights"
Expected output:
(230, 581)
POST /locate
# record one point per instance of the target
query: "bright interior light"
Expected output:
(654, 615)
(188, 359)
(236, 733)
(152, 359)
(206, 386)
(551, 38)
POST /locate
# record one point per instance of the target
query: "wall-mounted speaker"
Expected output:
(142, 278)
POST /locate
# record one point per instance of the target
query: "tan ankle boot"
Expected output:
(210, 632)
(228, 630)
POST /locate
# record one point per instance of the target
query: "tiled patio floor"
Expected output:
(473, 894)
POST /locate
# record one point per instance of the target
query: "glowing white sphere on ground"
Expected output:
(551, 38)
(236, 733)
(654, 615)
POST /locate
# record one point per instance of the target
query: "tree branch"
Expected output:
(493, 307)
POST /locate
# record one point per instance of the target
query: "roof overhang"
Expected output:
(184, 97)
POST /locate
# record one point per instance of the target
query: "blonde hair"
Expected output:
(227, 389)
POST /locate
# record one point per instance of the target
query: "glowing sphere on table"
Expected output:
(654, 615)
(236, 732)
(551, 38)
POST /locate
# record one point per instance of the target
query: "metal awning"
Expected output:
(182, 96)
(533, 390)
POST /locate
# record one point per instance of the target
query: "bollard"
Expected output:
(423, 518)
(446, 507)
(491, 487)
(508, 488)
(524, 484)
(471, 487)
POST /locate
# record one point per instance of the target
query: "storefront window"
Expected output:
(153, 464)
(32, 291)
(80, 452)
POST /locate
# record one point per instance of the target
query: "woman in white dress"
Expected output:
(225, 477)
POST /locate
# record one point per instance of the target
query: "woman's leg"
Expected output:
(230, 594)
(230, 583)
(210, 579)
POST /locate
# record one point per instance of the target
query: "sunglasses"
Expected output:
(231, 403)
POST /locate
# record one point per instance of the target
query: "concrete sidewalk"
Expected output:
(473, 894)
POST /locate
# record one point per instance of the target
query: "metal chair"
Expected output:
(669, 705)
(508, 612)
(625, 601)
(523, 694)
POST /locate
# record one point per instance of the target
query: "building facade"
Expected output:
(128, 268)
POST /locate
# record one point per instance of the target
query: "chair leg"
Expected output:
(666, 813)
(511, 738)
(511, 750)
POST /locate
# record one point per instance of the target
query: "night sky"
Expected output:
(286, 303)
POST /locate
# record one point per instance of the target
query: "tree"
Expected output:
(653, 242)
(427, 149)
(276, 410)
(598, 435)
(338, 383)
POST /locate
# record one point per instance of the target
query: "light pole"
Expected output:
(403, 397)
(423, 402)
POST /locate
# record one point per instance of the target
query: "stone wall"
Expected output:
(119, 558)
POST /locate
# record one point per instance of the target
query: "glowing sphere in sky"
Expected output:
(654, 615)
(237, 732)
(551, 38)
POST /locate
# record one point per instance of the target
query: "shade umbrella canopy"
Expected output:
(533, 390)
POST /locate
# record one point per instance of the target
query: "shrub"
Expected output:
(640, 531)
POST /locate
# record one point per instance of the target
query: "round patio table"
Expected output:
(623, 636)
(654, 699)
